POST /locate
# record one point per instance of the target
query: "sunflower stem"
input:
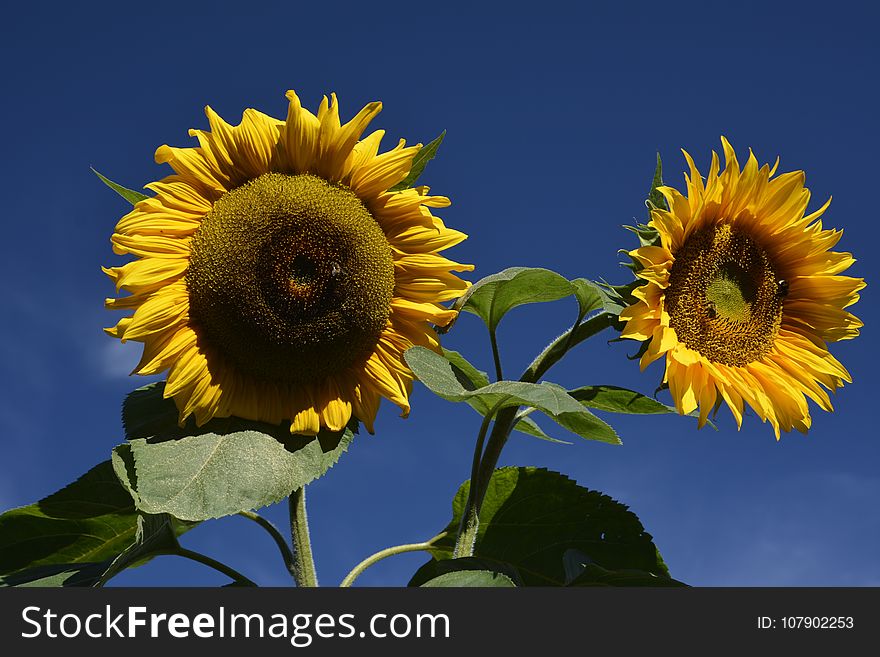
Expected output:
(497, 440)
(384, 554)
(233, 574)
(507, 419)
(496, 355)
(303, 563)
(470, 521)
(283, 547)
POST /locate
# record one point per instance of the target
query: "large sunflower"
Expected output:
(742, 293)
(278, 277)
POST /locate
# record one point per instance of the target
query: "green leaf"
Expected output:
(580, 570)
(656, 200)
(91, 520)
(76, 574)
(71, 537)
(531, 428)
(227, 466)
(155, 535)
(621, 400)
(420, 161)
(589, 296)
(470, 578)
(434, 569)
(469, 376)
(472, 378)
(530, 517)
(492, 297)
(439, 376)
(617, 297)
(129, 195)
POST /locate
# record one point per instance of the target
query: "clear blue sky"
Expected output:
(554, 113)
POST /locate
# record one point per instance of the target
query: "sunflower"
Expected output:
(279, 276)
(742, 294)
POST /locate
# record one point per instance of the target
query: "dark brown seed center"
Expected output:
(291, 278)
(724, 297)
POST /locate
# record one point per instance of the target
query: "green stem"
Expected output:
(496, 355)
(497, 440)
(283, 547)
(554, 351)
(486, 460)
(303, 562)
(468, 529)
(507, 418)
(233, 574)
(384, 554)
(470, 522)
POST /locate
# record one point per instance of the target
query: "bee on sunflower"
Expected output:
(742, 293)
(280, 275)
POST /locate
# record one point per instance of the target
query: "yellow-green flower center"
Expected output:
(291, 278)
(724, 297)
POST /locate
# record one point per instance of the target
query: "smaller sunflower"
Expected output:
(742, 293)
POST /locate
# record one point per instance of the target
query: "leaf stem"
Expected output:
(303, 563)
(384, 554)
(499, 376)
(233, 574)
(283, 547)
(554, 351)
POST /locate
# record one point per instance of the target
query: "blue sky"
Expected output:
(554, 114)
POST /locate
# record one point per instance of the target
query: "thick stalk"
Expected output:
(497, 440)
(506, 419)
(470, 521)
(303, 562)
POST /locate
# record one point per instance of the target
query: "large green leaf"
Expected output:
(440, 377)
(91, 520)
(580, 570)
(470, 578)
(73, 536)
(227, 466)
(530, 517)
(433, 570)
(75, 574)
(129, 195)
(420, 161)
(492, 297)
(154, 535)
